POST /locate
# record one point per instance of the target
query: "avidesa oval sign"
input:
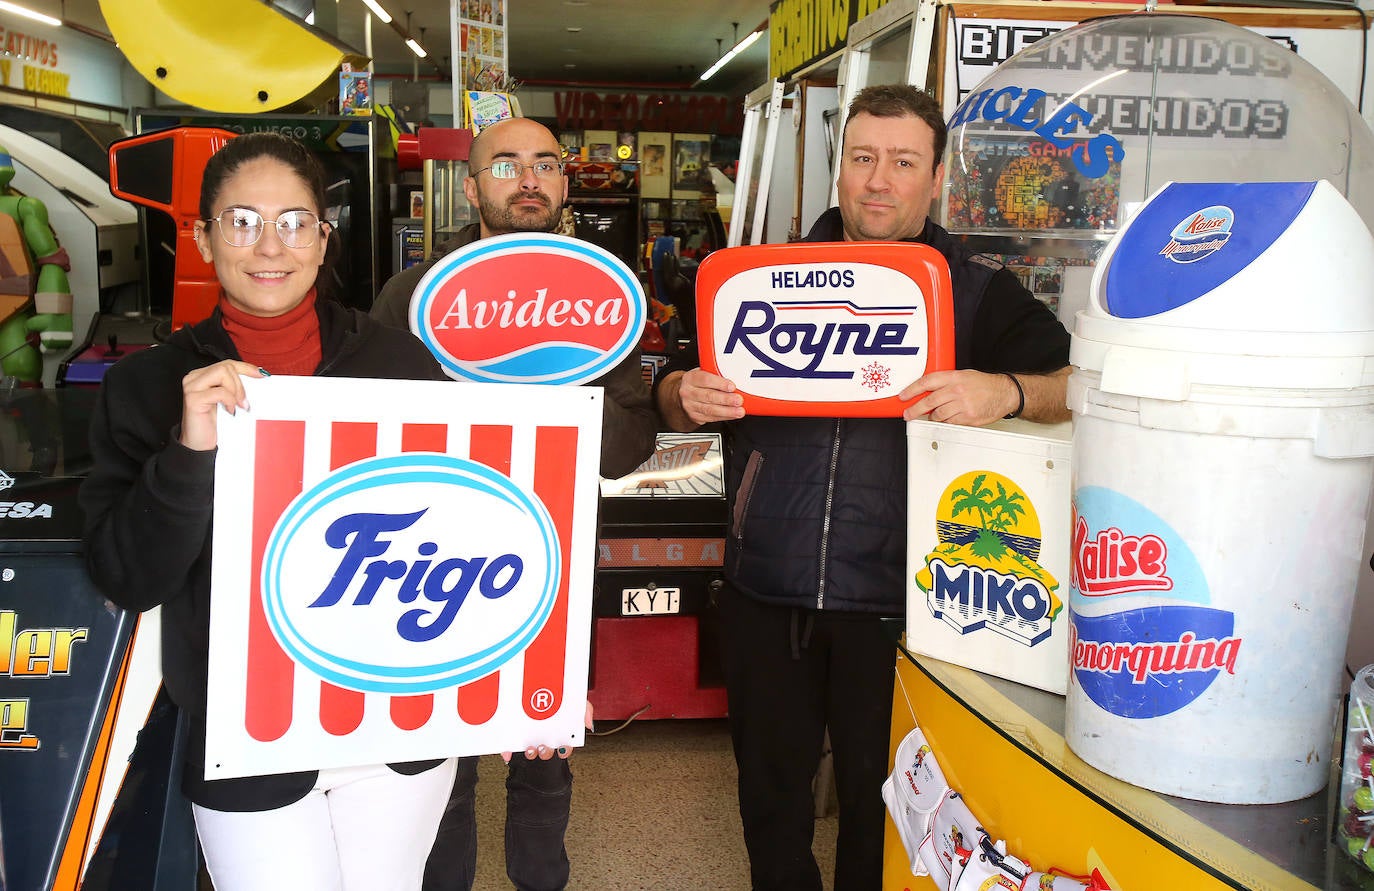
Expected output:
(530, 308)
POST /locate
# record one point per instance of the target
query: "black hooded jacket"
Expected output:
(818, 506)
(148, 504)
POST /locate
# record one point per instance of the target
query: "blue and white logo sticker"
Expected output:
(1200, 234)
(1143, 638)
(410, 574)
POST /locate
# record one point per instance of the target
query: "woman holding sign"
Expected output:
(149, 499)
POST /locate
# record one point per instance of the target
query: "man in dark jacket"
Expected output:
(816, 553)
(517, 184)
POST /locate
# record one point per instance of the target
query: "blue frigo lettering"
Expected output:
(757, 331)
(448, 582)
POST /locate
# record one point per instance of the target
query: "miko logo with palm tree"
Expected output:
(984, 573)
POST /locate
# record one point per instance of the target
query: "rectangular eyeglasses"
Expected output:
(241, 227)
(511, 169)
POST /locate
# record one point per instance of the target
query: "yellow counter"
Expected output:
(1001, 745)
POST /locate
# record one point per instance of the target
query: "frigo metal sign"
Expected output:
(402, 571)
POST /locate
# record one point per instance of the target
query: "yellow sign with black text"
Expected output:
(802, 31)
(30, 653)
(40, 77)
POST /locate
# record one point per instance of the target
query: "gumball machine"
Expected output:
(1356, 831)
(1051, 154)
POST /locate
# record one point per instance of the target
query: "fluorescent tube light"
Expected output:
(416, 48)
(30, 14)
(740, 47)
(378, 11)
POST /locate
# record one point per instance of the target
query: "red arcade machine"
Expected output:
(160, 171)
(139, 172)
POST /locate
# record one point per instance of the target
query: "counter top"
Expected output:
(1282, 846)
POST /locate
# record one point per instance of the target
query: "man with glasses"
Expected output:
(517, 185)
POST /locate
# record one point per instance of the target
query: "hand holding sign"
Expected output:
(202, 391)
(707, 397)
(971, 398)
(402, 573)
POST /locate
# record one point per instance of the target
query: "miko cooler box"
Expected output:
(988, 529)
(1224, 422)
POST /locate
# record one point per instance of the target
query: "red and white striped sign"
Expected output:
(402, 571)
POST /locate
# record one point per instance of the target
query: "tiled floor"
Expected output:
(654, 807)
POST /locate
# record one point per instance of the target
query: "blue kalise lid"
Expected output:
(1192, 238)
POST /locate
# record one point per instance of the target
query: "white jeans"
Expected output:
(359, 829)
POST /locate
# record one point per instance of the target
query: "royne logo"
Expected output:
(1199, 234)
(984, 574)
(781, 327)
(825, 329)
(440, 569)
(1143, 640)
(529, 308)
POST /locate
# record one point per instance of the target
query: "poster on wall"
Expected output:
(600, 145)
(355, 91)
(654, 181)
(400, 573)
(483, 47)
(60, 62)
(1022, 182)
(691, 158)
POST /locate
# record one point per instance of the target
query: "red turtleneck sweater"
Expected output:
(284, 344)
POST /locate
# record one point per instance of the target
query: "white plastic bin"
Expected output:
(1223, 434)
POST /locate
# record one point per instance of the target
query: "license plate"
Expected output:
(650, 601)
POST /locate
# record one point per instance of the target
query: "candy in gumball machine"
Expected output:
(1355, 829)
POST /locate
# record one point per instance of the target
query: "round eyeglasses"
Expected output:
(512, 169)
(241, 227)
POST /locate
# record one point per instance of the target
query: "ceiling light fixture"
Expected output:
(740, 47)
(378, 11)
(416, 48)
(30, 14)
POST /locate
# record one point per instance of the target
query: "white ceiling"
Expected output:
(622, 43)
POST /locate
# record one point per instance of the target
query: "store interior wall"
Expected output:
(822, 147)
(1360, 649)
(782, 187)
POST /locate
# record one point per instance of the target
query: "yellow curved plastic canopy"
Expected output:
(238, 56)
